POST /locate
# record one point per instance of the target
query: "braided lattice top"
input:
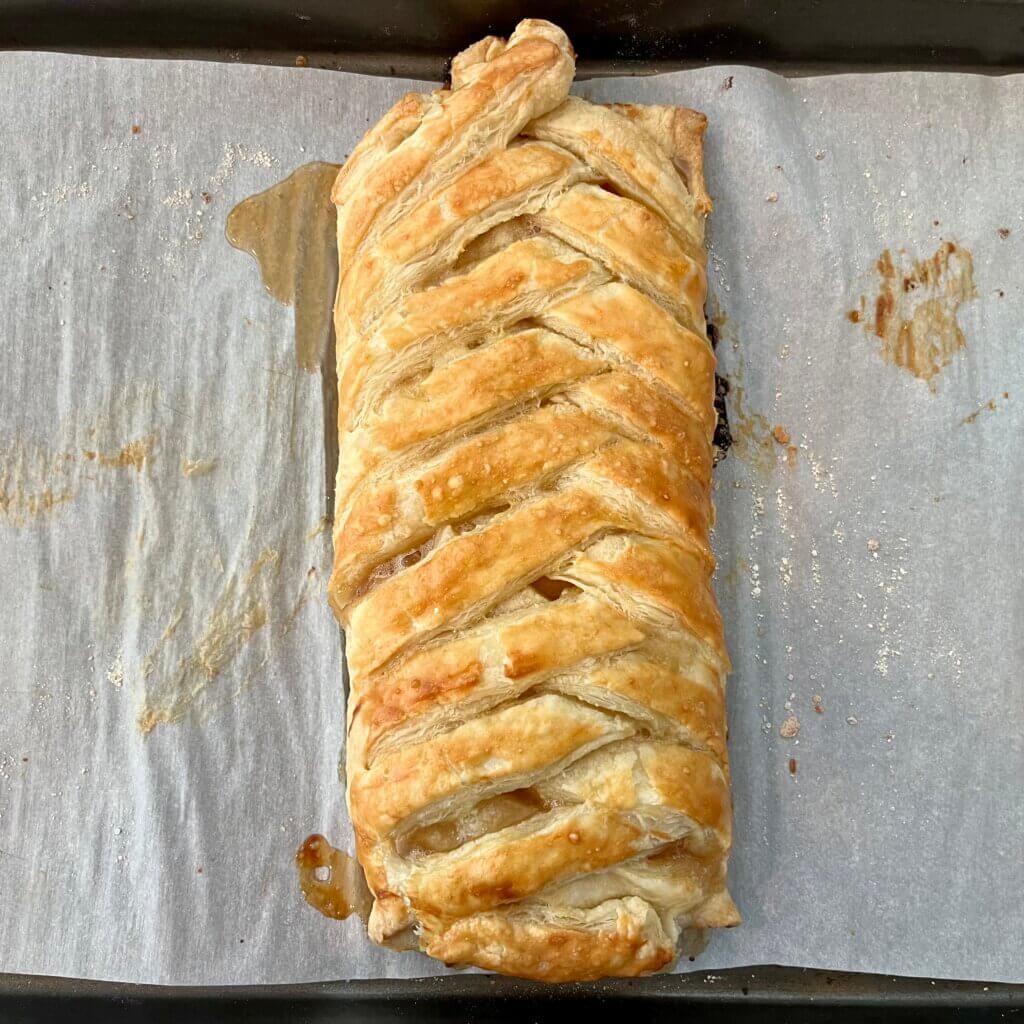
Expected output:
(536, 760)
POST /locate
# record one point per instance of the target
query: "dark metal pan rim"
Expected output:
(617, 37)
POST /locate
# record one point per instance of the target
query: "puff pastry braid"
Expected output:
(536, 761)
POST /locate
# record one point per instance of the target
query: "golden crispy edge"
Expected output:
(679, 131)
(629, 947)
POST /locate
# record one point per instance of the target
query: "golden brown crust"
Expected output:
(662, 695)
(633, 243)
(536, 760)
(507, 868)
(477, 384)
(391, 130)
(617, 941)
(633, 331)
(497, 293)
(633, 161)
(450, 681)
(680, 133)
(645, 798)
(662, 578)
(518, 83)
(424, 780)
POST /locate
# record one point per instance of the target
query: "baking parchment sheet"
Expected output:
(163, 487)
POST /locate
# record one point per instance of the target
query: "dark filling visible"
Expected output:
(723, 436)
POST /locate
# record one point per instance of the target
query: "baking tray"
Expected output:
(416, 38)
(747, 994)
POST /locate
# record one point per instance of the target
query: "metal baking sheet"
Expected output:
(416, 39)
(65, 199)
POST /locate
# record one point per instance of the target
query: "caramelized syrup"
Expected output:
(332, 880)
(290, 229)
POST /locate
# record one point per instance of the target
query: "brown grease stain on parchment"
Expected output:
(197, 467)
(750, 432)
(331, 880)
(914, 314)
(309, 589)
(321, 526)
(133, 454)
(237, 615)
(291, 229)
(177, 674)
(37, 480)
(990, 406)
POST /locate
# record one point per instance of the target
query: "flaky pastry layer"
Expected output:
(536, 761)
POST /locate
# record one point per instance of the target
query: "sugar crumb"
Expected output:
(115, 674)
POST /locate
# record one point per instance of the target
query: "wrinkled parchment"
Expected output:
(170, 675)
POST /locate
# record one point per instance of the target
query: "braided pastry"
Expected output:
(537, 771)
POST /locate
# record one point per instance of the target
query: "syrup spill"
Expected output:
(752, 439)
(290, 230)
(332, 880)
(914, 315)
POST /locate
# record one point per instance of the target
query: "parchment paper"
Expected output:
(880, 572)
